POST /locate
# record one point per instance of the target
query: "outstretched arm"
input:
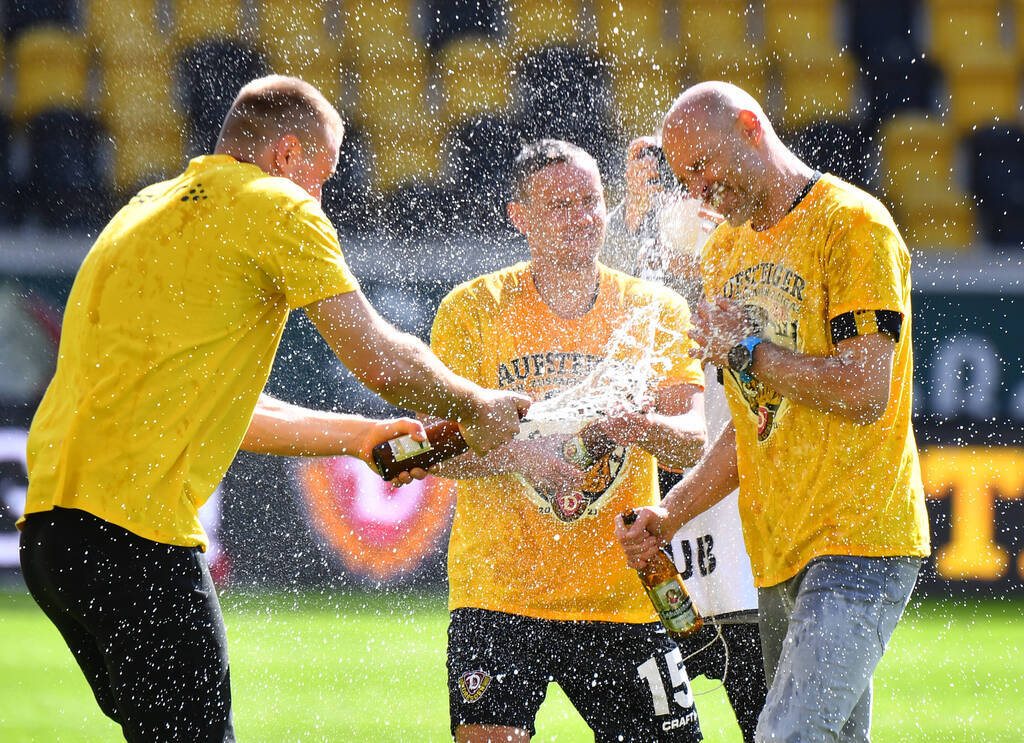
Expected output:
(402, 370)
(278, 427)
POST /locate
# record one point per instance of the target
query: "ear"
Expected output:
(750, 126)
(517, 216)
(287, 149)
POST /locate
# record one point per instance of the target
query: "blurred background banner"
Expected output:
(286, 522)
(916, 100)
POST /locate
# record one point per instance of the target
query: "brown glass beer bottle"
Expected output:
(587, 447)
(668, 594)
(403, 453)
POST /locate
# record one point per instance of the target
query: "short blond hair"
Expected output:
(271, 106)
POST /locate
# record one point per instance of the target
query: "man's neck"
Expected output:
(567, 293)
(791, 178)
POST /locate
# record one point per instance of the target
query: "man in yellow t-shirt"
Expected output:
(538, 589)
(808, 315)
(168, 339)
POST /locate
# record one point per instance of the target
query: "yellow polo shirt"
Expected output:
(168, 339)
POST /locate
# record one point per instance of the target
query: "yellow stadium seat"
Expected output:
(475, 78)
(714, 29)
(748, 70)
(917, 168)
(817, 88)
(199, 20)
(292, 33)
(946, 223)
(631, 29)
(961, 31)
(537, 23)
(51, 68)
(404, 154)
(139, 94)
(122, 29)
(376, 30)
(643, 93)
(984, 90)
(144, 157)
(800, 28)
(389, 92)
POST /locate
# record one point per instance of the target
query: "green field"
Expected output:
(371, 668)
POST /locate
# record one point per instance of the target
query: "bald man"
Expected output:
(807, 314)
(169, 336)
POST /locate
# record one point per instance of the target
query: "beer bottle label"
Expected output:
(673, 605)
(575, 452)
(405, 447)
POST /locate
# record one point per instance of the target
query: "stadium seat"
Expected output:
(643, 92)
(346, 194)
(749, 70)
(917, 169)
(478, 164)
(893, 85)
(984, 90)
(145, 156)
(995, 162)
(802, 29)
(376, 31)
(713, 30)
(809, 94)
(296, 41)
(196, 21)
(449, 19)
(531, 24)
(837, 147)
(123, 31)
(390, 91)
(210, 75)
(51, 69)
(409, 152)
(415, 210)
(961, 31)
(631, 31)
(10, 188)
(140, 93)
(475, 78)
(21, 14)
(66, 184)
(882, 31)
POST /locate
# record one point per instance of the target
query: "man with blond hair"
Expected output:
(169, 335)
(807, 314)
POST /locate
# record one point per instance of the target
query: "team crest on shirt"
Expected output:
(598, 480)
(473, 684)
(772, 296)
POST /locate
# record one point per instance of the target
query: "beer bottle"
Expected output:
(668, 594)
(403, 453)
(587, 447)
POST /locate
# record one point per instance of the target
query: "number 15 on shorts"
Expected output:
(682, 694)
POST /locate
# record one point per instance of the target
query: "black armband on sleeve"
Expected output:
(865, 322)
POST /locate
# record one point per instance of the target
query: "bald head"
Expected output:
(271, 107)
(716, 105)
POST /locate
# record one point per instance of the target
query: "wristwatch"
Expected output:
(741, 357)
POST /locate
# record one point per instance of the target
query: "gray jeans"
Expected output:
(823, 633)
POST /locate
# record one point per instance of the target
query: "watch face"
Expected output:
(739, 358)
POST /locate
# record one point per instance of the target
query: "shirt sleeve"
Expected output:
(456, 337)
(678, 367)
(867, 269)
(305, 261)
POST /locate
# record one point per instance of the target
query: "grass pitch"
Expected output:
(311, 667)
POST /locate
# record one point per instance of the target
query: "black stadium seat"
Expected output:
(67, 185)
(20, 14)
(995, 159)
(480, 155)
(210, 74)
(446, 19)
(836, 147)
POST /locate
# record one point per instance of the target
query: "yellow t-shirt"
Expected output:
(815, 484)
(169, 335)
(542, 554)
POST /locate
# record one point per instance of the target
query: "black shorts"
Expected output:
(141, 618)
(626, 680)
(742, 672)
